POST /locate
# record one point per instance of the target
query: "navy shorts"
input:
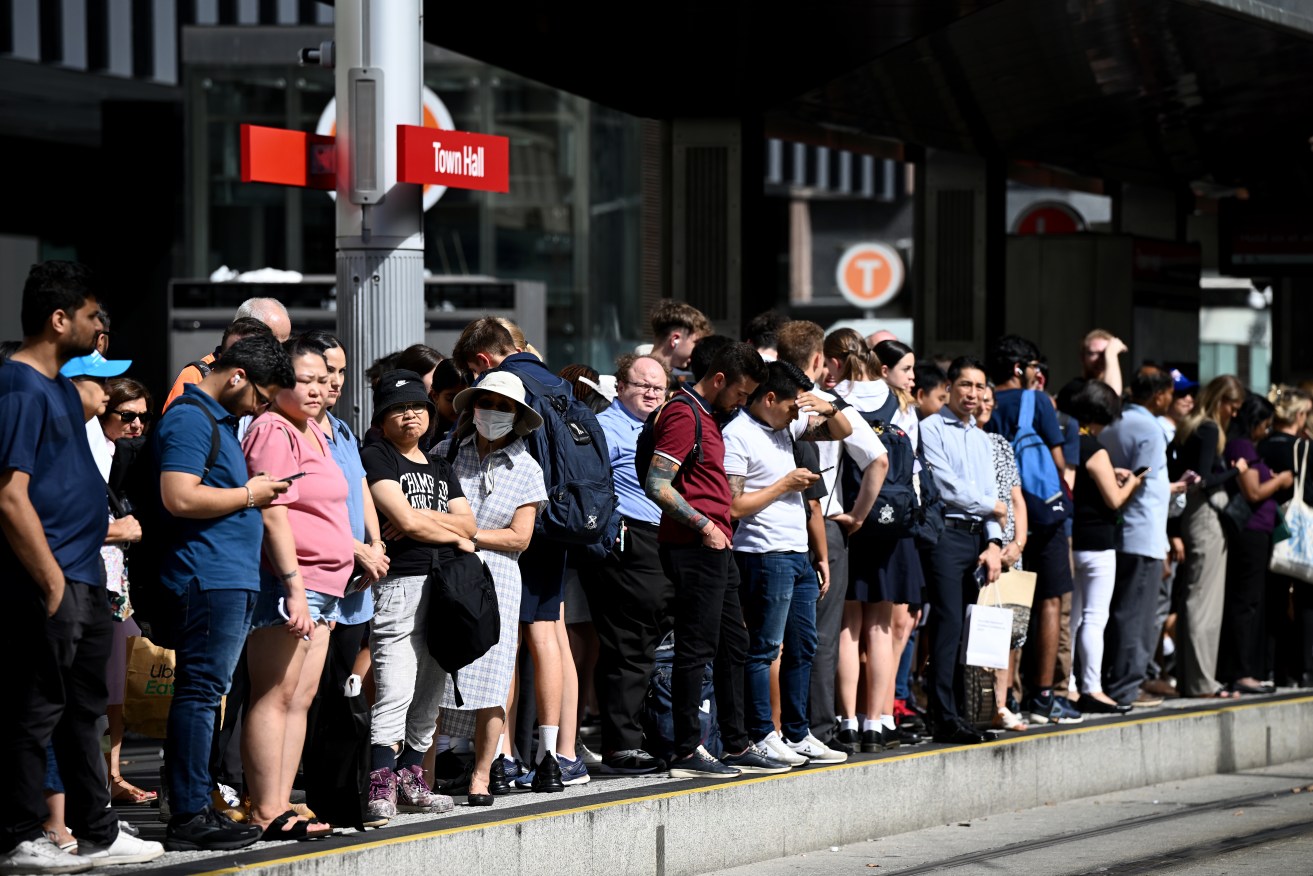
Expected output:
(1048, 555)
(542, 580)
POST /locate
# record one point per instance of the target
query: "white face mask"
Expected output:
(493, 424)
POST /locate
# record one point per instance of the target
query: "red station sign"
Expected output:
(425, 156)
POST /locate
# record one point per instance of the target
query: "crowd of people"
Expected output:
(806, 516)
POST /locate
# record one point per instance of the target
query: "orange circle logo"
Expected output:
(870, 275)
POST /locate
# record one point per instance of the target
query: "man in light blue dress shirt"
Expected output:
(970, 549)
(630, 596)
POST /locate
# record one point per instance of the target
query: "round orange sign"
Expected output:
(870, 275)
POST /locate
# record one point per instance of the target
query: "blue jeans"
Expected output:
(780, 591)
(214, 624)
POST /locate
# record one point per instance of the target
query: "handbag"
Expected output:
(1293, 557)
(1235, 515)
(987, 636)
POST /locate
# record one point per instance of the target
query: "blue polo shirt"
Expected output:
(1134, 441)
(355, 608)
(221, 553)
(43, 434)
(621, 427)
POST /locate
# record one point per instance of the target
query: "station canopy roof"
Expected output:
(1215, 93)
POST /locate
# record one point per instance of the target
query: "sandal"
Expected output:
(300, 830)
(123, 791)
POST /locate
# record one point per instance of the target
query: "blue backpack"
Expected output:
(657, 716)
(571, 448)
(895, 512)
(1047, 503)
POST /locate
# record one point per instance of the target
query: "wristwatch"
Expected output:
(997, 542)
(475, 539)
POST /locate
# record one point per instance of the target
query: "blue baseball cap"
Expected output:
(95, 365)
(1182, 384)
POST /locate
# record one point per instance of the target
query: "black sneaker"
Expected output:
(547, 777)
(631, 762)
(701, 765)
(872, 741)
(499, 783)
(209, 832)
(754, 759)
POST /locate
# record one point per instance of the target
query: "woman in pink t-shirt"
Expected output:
(307, 560)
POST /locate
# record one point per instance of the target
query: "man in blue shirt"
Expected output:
(1013, 365)
(970, 549)
(211, 562)
(1134, 442)
(53, 515)
(630, 596)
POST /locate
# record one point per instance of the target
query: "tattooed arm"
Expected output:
(826, 424)
(747, 504)
(660, 488)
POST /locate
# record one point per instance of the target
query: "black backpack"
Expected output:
(464, 621)
(894, 513)
(647, 438)
(155, 606)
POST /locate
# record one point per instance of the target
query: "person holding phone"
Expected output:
(307, 560)
(1137, 441)
(1100, 492)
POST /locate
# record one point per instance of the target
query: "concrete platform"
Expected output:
(670, 828)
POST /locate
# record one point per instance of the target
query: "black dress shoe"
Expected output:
(850, 739)
(498, 784)
(478, 800)
(958, 733)
(873, 741)
(547, 777)
(451, 774)
(890, 738)
(906, 737)
(1093, 705)
(843, 747)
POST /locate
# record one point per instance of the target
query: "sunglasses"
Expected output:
(407, 408)
(130, 417)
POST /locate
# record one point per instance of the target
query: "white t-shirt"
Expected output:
(862, 446)
(762, 455)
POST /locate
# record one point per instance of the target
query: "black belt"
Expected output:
(975, 527)
(642, 525)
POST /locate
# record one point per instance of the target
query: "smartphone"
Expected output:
(1191, 477)
(1142, 471)
(290, 478)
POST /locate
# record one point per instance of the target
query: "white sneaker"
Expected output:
(42, 856)
(776, 748)
(816, 751)
(588, 757)
(126, 849)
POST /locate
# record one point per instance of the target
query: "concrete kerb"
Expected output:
(695, 830)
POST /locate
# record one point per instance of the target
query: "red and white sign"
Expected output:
(287, 158)
(1049, 217)
(870, 275)
(453, 158)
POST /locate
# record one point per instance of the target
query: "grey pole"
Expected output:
(380, 238)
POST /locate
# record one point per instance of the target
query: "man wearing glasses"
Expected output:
(631, 595)
(211, 562)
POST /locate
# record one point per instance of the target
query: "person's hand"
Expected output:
(125, 529)
(798, 480)
(1179, 487)
(1011, 553)
(848, 523)
(54, 596)
(373, 561)
(1177, 551)
(391, 531)
(1240, 465)
(265, 489)
(1116, 346)
(1001, 511)
(298, 613)
(1122, 475)
(823, 567)
(713, 538)
(991, 559)
(1286, 480)
(810, 404)
(465, 545)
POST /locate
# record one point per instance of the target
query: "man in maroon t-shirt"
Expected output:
(694, 497)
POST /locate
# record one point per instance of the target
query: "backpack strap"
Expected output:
(201, 367)
(213, 456)
(684, 397)
(1026, 417)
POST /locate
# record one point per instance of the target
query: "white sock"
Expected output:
(888, 722)
(868, 724)
(850, 723)
(547, 739)
(501, 744)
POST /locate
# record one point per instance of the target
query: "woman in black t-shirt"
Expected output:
(1099, 492)
(424, 515)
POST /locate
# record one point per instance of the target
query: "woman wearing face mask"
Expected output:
(505, 488)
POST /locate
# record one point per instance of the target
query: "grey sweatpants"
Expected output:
(409, 681)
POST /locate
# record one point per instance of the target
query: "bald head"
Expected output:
(881, 335)
(269, 311)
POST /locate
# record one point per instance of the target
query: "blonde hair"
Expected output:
(849, 347)
(1289, 402)
(1224, 389)
(517, 337)
(1096, 335)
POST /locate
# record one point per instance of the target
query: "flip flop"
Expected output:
(300, 830)
(1220, 694)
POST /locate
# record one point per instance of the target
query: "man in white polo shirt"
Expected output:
(779, 587)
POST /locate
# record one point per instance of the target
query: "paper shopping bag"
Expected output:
(149, 689)
(1013, 587)
(987, 636)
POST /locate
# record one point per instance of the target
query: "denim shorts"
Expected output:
(323, 607)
